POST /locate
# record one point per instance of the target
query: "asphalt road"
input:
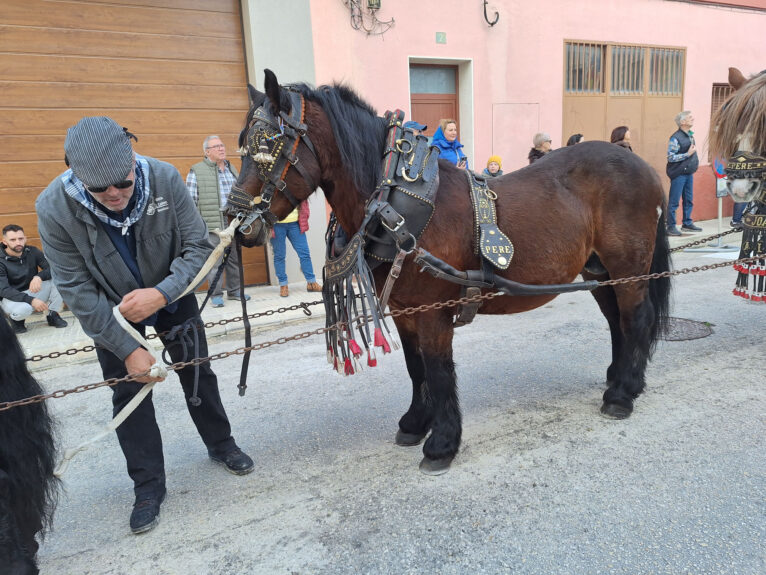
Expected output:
(543, 484)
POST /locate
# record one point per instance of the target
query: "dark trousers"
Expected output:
(739, 211)
(139, 434)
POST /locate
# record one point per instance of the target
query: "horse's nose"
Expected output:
(743, 190)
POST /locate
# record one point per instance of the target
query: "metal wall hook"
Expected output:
(497, 16)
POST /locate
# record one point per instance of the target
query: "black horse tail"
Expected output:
(27, 448)
(659, 289)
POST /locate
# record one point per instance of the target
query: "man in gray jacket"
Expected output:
(120, 229)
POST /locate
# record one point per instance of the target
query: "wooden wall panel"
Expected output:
(37, 40)
(141, 96)
(128, 17)
(27, 67)
(172, 71)
(51, 147)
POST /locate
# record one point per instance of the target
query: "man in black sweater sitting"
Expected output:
(25, 281)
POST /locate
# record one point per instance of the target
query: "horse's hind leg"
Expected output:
(637, 319)
(413, 425)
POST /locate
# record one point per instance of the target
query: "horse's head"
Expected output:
(738, 133)
(279, 166)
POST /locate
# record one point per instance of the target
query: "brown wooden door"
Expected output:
(172, 71)
(437, 98)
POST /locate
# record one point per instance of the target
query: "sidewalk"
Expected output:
(41, 339)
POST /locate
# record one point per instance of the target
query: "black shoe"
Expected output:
(55, 320)
(736, 225)
(18, 326)
(691, 228)
(673, 231)
(146, 514)
(235, 462)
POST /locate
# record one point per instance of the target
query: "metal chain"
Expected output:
(303, 305)
(703, 240)
(175, 367)
(339, 326)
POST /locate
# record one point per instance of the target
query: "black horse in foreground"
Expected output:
(590, 202)
(28, 489)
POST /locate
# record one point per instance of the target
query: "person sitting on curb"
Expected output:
(293, 227)
(494, 167)
(25, 282)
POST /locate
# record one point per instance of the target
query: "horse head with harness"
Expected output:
(738, 134)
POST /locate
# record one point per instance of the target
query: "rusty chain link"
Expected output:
(339, 326)
(703, 240)
(303, 305)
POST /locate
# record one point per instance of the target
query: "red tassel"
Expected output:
(335, 363)
(371, 360)
(356, 351)
(348, 368)
(380, 341)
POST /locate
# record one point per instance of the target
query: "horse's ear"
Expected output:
(736, 78)
(274, 92)
(253, 94)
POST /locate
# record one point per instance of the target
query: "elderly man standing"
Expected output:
(120, 229)
(682, 163)
(25, 282)
(209, 183)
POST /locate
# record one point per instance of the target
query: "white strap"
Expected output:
(157, 370)
(226, 236)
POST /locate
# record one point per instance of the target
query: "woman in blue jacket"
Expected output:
(450, 149)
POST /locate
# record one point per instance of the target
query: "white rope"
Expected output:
(157, 370)
(226, 236)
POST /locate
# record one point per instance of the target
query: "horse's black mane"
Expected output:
(359, 132)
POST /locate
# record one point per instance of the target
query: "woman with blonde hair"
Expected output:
(450, 149)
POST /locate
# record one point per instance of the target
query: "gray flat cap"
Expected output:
(99, 151)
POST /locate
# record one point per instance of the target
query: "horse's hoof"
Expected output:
(409, 439)
(435, 466)
(615, 411)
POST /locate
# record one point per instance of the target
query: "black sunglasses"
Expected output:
(120, 186)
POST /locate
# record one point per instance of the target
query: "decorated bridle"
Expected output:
(272, 143)
(746, 166)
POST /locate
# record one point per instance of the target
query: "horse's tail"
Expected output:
(659, 289)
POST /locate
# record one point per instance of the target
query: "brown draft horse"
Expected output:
(591, 201)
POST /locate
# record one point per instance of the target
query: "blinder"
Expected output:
(272, 142)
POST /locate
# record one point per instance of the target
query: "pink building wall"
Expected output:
(517, 65)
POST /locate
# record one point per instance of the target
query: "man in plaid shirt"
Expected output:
(209, 183)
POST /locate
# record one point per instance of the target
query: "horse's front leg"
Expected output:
(435, 330)
(414, 425)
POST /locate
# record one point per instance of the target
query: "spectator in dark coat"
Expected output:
(575, 139)
(621, 137)
(542, 145)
